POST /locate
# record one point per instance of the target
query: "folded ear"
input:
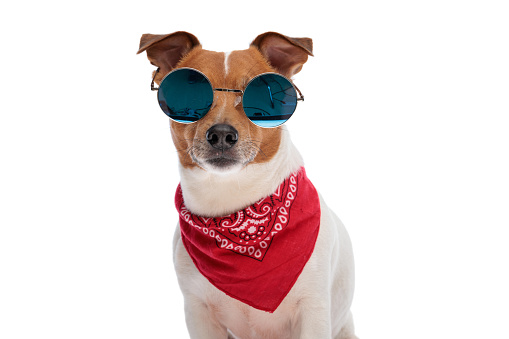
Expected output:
(165, 51)
(285, 54)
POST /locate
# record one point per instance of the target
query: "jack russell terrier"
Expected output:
(258, 254)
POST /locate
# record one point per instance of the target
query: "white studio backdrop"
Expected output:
(404, 131)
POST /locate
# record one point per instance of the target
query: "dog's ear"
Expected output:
(166, 50)
(285, 54)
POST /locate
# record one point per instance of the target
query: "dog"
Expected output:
(258, 253)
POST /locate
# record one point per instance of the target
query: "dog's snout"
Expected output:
(222, 136)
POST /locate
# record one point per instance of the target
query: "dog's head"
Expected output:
(225, 140)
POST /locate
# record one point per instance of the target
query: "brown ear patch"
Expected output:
(165, 51)
(285, 54)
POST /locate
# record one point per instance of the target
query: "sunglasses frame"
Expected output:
(299, 98)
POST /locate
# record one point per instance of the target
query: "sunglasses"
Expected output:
(186, 96)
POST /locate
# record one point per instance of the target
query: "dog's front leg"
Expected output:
(200, 322)
(314, 321)
(200, 318)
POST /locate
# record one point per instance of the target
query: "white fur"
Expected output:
(238, 100)
(317, 307)
(226, 67)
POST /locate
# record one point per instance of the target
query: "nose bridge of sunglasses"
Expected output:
(227, 97)
(228, 90)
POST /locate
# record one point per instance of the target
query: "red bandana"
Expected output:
(256, 255)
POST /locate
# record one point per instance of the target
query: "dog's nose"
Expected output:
(222, 136)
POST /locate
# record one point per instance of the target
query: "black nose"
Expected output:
(222, 136)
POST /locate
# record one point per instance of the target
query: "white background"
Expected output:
(404, 131)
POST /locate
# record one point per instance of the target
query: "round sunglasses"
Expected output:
(186, 96)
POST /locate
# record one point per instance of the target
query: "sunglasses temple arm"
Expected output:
(301, 97)
(152, 87)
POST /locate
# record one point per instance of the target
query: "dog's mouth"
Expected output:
(223, 161)
(222, 164)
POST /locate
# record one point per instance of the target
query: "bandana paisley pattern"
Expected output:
(249, 232)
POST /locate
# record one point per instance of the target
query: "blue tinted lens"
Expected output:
(269, 100)
(185, 95)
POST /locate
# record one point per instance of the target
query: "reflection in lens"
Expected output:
(185, 95)
(269, 100)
